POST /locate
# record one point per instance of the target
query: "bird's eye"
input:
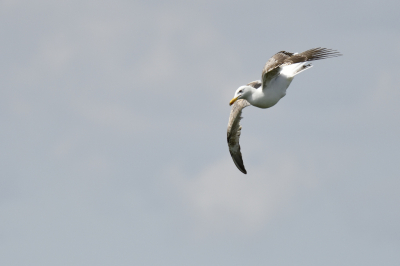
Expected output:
(240, 91)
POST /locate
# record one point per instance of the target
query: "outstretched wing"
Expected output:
(276, 61)
(271, 68)
(282, 58)
(233, 133)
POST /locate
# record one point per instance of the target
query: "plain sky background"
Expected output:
(113, 134)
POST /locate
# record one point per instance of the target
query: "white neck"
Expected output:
(255, 95)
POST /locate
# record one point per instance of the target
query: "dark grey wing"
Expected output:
(272, 67)
(233, 133)
(276, 60)
(312, 55)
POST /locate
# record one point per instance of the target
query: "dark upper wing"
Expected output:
(312, 55)
(233, 133)
(276, 60)
(283, 58)
(271, 68)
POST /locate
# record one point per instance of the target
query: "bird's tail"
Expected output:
(294, 69)
(303, 67)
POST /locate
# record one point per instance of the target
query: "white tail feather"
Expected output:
(294, 69)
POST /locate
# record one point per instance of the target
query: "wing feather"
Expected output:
(282, 58)
(233, 133)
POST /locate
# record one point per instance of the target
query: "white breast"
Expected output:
(275, 90)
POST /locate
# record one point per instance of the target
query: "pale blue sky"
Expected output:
(113, 134)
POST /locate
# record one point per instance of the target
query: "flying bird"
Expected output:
(276, 77)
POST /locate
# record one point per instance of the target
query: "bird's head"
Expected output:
(241, 93)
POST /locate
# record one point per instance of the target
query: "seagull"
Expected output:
(276, 77)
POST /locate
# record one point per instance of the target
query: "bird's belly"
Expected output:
(275, 90)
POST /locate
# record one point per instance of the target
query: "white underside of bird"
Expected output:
(276, 87)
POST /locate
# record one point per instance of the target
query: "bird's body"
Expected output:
(276, 76)
(268, 98)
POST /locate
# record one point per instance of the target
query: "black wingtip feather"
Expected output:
(320, 53)
(237, 159)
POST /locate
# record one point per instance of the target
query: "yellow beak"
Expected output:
(233, 100)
